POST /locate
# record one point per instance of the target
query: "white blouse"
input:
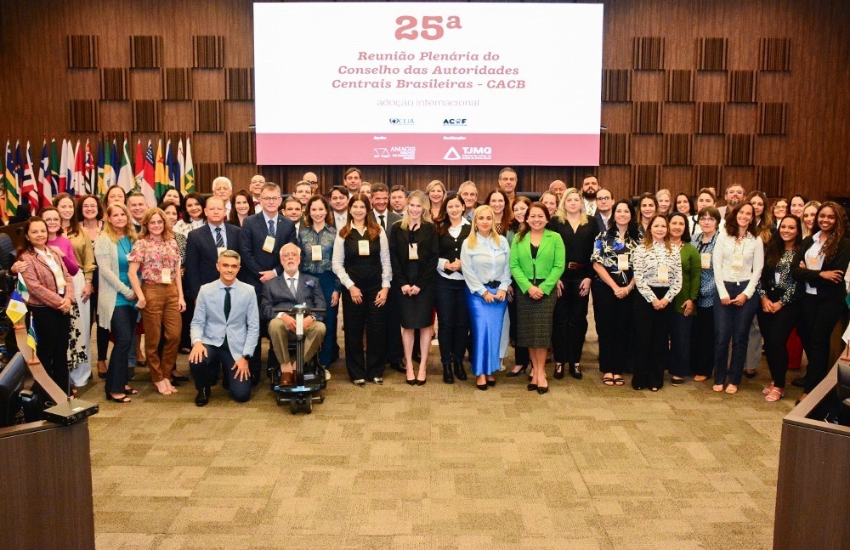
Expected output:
(737, 261)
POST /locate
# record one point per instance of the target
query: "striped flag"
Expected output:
(32, 339)
(160, 176)
(28, 187)
(8, 177)
(54, 168)
(45, 190)
(148, 179)
(125, 174)
(78, 182)
(17, 306)
(116, 163)
(90, 174)
(188, 184)
(62, 183)
(99, 189)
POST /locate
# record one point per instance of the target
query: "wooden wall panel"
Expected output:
(745, 83)
(83, 51)
(614, 149)
(645, 179)
(707, 176)
(114, 84)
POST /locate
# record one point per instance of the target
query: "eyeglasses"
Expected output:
(603, 198)
(290, 255)
(312, 182)
(269, 199)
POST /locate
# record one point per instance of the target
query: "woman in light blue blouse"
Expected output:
(658, 279)
(484, 262)
(316, 239)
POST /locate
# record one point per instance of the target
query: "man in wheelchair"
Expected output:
(285, 291)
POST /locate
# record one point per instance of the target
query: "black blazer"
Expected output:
(427, 249)
(202, 255)
(254, 258)
(276, 294)
(600, 223)
(827, 290)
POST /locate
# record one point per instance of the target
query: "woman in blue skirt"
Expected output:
(484, 262)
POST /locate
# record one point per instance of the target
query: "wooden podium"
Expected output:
(813, 489)
(46, 487)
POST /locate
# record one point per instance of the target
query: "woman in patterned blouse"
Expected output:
(155, 277)
(612, 287)
(316, 239)
(702, 331)
(658, 277)
(780, 297)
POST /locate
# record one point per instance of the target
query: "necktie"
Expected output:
(219, 243)
(271, 228)
(226, 313)
(383, 223)
(292, 285)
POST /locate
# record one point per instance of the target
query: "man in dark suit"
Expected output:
(225, 329)
(263, 235)
(204, 244)
(290, 289)
(386, 218)
(604, 207)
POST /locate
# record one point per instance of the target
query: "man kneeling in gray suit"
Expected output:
(285, 291)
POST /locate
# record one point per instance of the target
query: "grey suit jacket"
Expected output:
(276, 294)
(242, 326)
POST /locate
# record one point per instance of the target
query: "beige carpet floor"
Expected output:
(584, 467)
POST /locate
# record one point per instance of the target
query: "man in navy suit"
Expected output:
(284, 292)
(604, 207)
(263, 235)
(225, 331)
(386, 218)
(204, 244)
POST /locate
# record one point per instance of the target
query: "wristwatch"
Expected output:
(246, 357)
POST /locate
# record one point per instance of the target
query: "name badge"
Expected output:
(363, 247)
(737, 260)
(316, 252)
(705, 259)
(166, 276)
(663, 274)
(812, 262)
(268, 244)
(622, 262)
(413, 251)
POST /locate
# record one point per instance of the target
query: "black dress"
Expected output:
(416, 311)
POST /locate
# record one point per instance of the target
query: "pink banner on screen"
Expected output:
(437, 149)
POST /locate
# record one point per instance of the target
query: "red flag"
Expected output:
(28, 187)
(78, 185)
(139, 172)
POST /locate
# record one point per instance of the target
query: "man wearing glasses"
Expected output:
(263, 235)
(313, 180)
(604, 205)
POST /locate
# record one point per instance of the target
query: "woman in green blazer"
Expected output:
(684, 304)
(537, 262)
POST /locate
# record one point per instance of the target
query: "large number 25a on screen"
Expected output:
(432, 27)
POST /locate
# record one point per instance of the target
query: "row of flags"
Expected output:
(72, 169)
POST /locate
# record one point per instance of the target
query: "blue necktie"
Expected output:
(271, 228)
(219, 241)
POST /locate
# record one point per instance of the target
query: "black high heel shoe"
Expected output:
(542, 390)
(531, 387)
(514, 374)
(559, 371)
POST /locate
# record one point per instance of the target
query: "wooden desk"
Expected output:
(46, 487)
(813, 489)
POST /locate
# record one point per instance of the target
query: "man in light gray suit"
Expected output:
(283, 292)
(224, 332)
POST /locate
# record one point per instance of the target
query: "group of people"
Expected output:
(212, 276)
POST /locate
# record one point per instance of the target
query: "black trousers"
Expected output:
(52, 330)
(521, 356)
(185, 340)
(394, 350)
(370, 319)
(702, 342)
(454, 319)
(775, 329)
(124, 329)
(614, 326)
(652, 334)
(819, 320)
(218, 360)
(569, 324)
